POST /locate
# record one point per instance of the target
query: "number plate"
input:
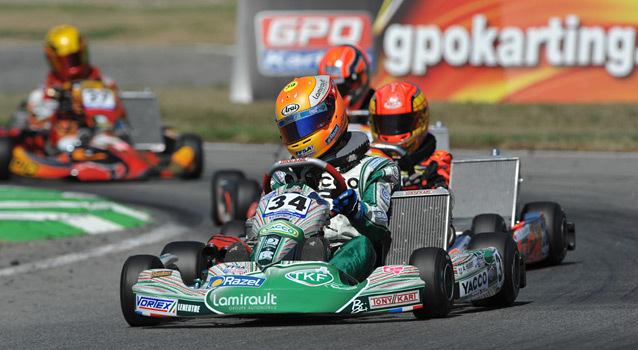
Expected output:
(98, 98)
(292, 203)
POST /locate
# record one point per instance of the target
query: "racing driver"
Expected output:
(399, 116)
(349, 67)
(66, 52)
(318, 128)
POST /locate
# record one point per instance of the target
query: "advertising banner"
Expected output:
(581, 51)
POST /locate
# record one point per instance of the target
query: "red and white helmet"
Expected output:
(399, 115)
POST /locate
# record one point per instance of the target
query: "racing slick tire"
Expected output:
(512, 267)
(556, 223)
(221, 206)
(244, 194)
(190, 261)
(6, 153)
(488, 223)
(195, 142)
(235, 228)
(131, 270)
(435, 269)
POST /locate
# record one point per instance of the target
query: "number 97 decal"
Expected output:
(293, 203)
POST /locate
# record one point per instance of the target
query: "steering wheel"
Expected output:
(301, 163)
(405, 162)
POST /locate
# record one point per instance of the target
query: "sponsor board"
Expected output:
(293, 42)
(164, 306)
(516, 51)
(395, 299)
(311, 277)
(235, 281)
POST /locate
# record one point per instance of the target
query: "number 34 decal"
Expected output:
(289, 202)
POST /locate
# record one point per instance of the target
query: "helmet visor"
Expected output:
(395, 124)
(72, 60)
(299, 125)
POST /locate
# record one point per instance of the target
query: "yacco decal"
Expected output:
(293, 42)
(155, 305)
(235, 281)
(395, 299)
(474, 284)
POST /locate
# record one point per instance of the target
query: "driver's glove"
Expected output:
(348, 204)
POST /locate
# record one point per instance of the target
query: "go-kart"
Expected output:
(94, 142)
(486, 192)
(190, 279)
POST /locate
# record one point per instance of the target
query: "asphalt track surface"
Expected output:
(589, 301)
(64, 294)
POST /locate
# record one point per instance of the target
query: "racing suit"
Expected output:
(431, 167)
(47, 112)
(373, 178)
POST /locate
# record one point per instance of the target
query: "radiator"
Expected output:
(420, 218)
(143, 112)
(482, 185)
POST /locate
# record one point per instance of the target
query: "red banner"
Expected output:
(581, 51)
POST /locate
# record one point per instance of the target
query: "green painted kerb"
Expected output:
(32, 213)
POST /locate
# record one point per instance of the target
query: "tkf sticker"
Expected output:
(311, 277)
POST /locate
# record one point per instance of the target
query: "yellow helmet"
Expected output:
(311, 116)
(66, 52)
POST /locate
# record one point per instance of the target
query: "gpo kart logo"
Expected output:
(293, 42)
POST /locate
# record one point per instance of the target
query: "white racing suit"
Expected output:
(373, 178)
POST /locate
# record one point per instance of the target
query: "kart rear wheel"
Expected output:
(235, 228)
(222, 208)
(190, 261)
(488, 223)
(195, 142)
(556, 228)
(435, 269)
(6, 153)
(507, 248)
(131, 270)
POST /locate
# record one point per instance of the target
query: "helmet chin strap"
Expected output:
(351, 148)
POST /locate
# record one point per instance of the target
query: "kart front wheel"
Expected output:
(512, 266)
(190, 261)
(234, 228)
(556, 223)
(131, 270)
(435, 269)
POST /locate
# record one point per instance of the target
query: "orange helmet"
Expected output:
(66, 52)
(311, 116)
(399, 115)
(349, 67)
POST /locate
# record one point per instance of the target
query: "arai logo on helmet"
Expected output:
(311, 277)
(290, 109)
(392, 103)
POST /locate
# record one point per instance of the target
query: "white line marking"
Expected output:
(91, 206)
(88, 223)
(159, 234)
